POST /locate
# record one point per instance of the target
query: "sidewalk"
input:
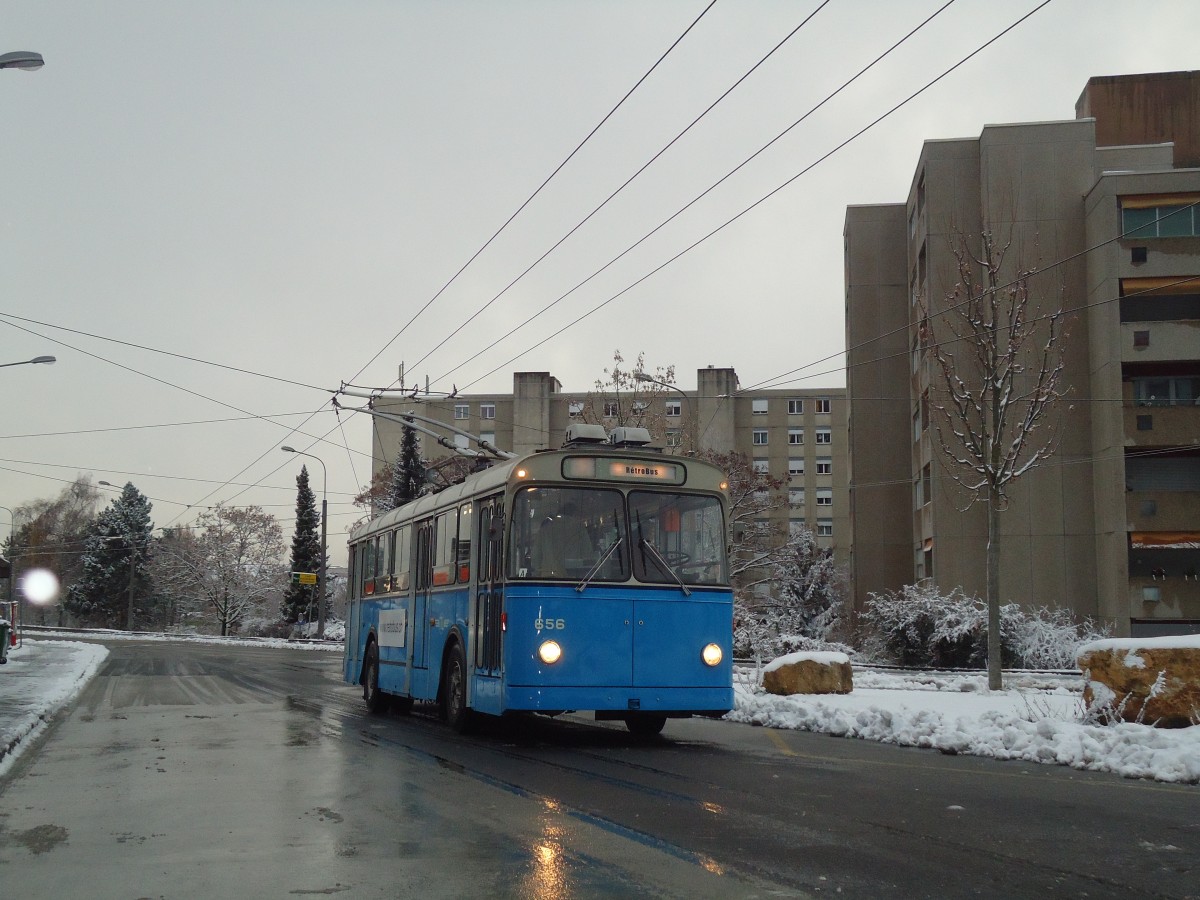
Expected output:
(40, 678)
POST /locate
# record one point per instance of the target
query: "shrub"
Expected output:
(920, 626)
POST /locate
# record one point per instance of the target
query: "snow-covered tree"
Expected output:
(798, 607)
(114, 583)
(1001, 361)
(173, 572)
(306, 552)
(757, 543)
(238, 566)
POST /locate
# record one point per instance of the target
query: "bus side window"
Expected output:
(400, 578)
(368, 568)
(443, 558)
(462, 555)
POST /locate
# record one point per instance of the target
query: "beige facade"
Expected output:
(1110, 526)
(798, 435)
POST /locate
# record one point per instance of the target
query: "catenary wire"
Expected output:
(693, 201)
(766, 196)
(622, 187)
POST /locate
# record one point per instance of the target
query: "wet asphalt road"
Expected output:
(210, 771)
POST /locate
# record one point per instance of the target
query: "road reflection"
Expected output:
(548, 878)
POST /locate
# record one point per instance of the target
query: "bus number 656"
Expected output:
(540, 624)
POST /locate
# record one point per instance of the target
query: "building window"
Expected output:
(823, 405)
(761, 467)
(1151, 593)
(487, 410)
(575, 408)
(673, 437)
(824, 436)
(610, 409)
(759, 437)
(824, 497)
(795, 466)
(462, 441)
(824, 465)
(1141, 339)
(926, 485)
(1159, 217)
(489, 436)
(673, 407)
(795, 436)
(795, 407)
(824, 527)
(462, 411)
(1145, 423)
(796, 496)
(916, 425)
(758, 407)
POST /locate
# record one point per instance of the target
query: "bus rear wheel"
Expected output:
(454, 692)
(377, 700)
(645, 724)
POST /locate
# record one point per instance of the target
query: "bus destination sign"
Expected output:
(607, 468)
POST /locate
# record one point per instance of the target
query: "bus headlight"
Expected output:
(711, 655)
(549, 652)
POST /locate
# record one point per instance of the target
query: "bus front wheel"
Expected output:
(454, 692)
(645, 724)
(377, 700)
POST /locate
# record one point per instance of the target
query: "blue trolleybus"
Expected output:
(593, 577)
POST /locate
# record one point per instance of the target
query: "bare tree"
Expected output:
(1001, 363)
(629, 396)
(238, 562)
(757, 544)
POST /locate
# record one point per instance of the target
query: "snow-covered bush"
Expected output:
(919, 625)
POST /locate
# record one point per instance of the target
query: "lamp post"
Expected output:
(132, 566)
(37, 360)
(21, 59)
(12, 526)
(324, 549)
(687, 401)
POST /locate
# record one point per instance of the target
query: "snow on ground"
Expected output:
(330, 644)
(1037, 718)
(31, 693)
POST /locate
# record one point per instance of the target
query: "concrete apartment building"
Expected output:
(1102, 204)
(798, 435)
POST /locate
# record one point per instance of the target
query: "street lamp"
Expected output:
(37, 360)
(648, 379)
(132, 565)
(21, 59)
(324, 549)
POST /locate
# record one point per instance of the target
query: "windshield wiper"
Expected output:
(599, 564)
(664, 565)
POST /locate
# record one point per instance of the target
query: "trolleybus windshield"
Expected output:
(677, 538)
(564, 532)
(586, 535)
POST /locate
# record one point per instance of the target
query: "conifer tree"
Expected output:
(408, 474)
(306, 551)
(114, 583)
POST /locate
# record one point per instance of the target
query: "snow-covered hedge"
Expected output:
(919, 625)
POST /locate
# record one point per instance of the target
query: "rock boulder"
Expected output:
(809, 672)
(1155, 681)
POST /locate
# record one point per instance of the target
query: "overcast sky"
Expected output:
(280, 185)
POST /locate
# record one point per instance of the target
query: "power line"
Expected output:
(205, 362)
(689, 204)
(557, 169)
(5, 437)
(624, 185)
(770, 194)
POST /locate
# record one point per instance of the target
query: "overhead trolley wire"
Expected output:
(537, 191)
(624, 185)
(487, 243)
(695, 200)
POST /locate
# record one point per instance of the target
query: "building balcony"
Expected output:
(1149, 342)
(1168, 597)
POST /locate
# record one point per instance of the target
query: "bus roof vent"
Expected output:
(626, 436)
(582, 433)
